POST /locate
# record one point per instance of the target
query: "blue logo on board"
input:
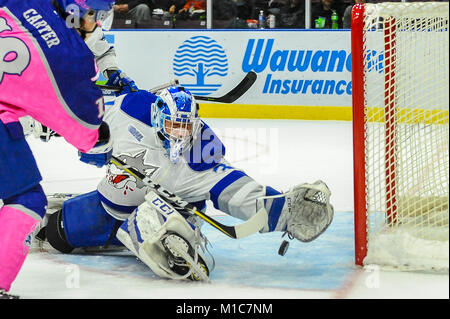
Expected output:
(199, 63)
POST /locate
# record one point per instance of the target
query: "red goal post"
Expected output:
(400, 75)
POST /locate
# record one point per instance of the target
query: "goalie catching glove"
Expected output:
(165, 241)
(305, 214)
(101, 153)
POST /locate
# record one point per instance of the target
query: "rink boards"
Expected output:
(302, 74)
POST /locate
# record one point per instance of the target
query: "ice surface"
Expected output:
(299, 151)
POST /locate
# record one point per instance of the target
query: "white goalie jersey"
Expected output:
(195, 177)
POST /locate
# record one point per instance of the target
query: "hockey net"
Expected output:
(400, 67)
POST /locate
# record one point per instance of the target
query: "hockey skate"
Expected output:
(183, 259)
(39, 242)
(5, 295)
(165, 241)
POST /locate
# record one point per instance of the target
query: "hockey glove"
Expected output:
(119, 78)
(101, 153)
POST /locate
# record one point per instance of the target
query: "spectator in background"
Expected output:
(170, 6)
(258, 5)
(138, 10)
(288, 13)
(244, 9)
(224, 9)
(323, 10)
(188, 10)
(346, 23)
(242, 12)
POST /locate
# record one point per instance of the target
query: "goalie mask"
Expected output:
(99, 11)
(175, 118)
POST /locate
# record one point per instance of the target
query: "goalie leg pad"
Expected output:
(86, 222)
(305, 213)
(80, 222)
(158, 234)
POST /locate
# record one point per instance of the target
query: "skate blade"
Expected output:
(199, 271)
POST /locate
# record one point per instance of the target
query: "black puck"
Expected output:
(283, 248)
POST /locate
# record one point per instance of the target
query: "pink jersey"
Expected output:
(47, 72)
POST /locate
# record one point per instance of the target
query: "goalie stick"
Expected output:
(235, 93)
(251, 226)
(111, 90)
(229, 97)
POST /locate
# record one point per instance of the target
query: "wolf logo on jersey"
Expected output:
(120, 180)
(137, 162)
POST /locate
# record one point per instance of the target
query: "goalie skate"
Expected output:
(38, 238)
(165, 241)
(183, 259)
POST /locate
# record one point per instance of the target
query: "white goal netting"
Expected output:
(406, 66)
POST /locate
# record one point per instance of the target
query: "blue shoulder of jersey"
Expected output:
(207, 150)
(138, 105)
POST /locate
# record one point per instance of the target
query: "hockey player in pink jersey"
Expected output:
(46, 72)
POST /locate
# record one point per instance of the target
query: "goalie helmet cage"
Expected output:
(400, 79)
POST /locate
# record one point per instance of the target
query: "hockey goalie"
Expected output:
(162, 136)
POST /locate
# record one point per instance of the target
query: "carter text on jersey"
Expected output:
(47, 33)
